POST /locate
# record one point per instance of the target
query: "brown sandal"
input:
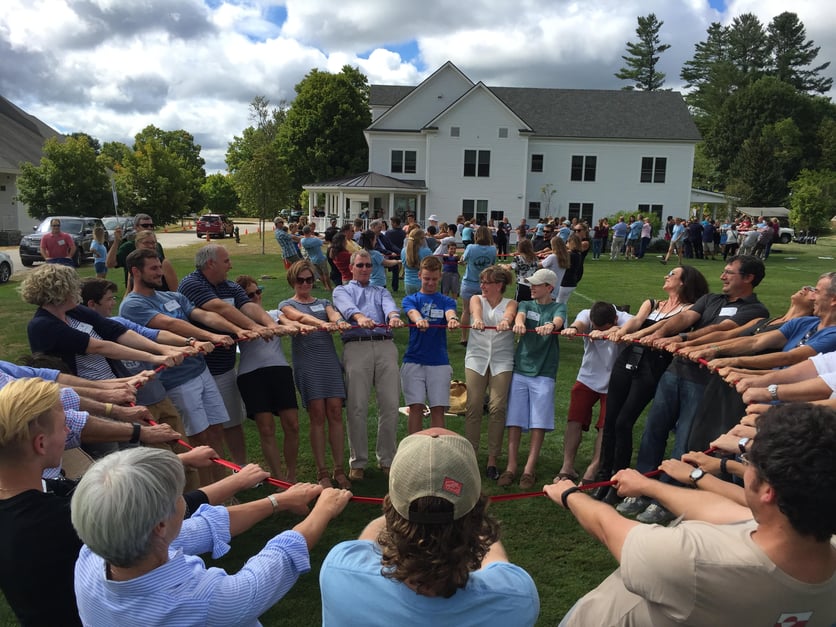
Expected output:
(323, 477)
(341, 480)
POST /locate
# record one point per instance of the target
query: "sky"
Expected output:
(109, 68)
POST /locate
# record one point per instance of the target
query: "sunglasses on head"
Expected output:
(305, 279)
(362, 265)
(255, 293)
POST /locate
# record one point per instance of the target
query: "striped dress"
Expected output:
(316, 367)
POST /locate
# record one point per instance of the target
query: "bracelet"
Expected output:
(565, 496)
(274, 503)
(723, 462)
(137, 430)
(108, 409)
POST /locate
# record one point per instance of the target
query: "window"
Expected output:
(581, 211)
(533, 211)
(653, 169)
(497, 216)
(583, 167)
(503, 132)
(536, 163)
(477, 162)
(475, 209)
(403, 161)
(455, 131)
(655, 210)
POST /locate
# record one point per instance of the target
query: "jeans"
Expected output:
(643, 246)
(674, 407)
(597, 247)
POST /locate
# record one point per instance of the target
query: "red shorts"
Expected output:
(581, 401)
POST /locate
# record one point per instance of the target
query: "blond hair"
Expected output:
(23, 402)
(50, 284)
(414, 240)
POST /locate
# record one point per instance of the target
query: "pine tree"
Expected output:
(642, 56)
(792, 55)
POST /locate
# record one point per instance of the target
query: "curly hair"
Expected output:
(436, 559)
(793, 453)
(50, 284)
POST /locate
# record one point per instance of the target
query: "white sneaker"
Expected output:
(655, 514)
(633, 505)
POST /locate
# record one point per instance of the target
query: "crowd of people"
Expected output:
(122, 543)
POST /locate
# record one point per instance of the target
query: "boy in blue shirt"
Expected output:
(426, 370)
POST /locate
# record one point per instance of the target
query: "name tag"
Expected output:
(533, 315)
(229, 301)
(728, 312)
(436, 313)
(172, 305)
(319, 307)
(61, 242)
(85, 328)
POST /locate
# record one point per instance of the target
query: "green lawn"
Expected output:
(538, 535)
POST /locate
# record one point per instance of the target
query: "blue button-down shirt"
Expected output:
(372, 301)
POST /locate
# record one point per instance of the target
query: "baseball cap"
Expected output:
(438, 463)
(433, 218)
(543, 276)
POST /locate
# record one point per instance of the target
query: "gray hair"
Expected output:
(140, 217)
(306, 230)
(375, 223)
(832, 276)
(120, 500)
(359, 253)
(206, 254)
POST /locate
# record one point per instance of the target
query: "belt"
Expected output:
(366, 338)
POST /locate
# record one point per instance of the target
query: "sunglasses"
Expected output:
(304, 279)
(671, 273)
(362, 265)
(255, 293)
(147, 225)
(810, 288)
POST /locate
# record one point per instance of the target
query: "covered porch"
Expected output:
(367, 196)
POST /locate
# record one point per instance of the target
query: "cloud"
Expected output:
(110, 67)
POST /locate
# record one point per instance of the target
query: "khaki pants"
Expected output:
(368, 364)
(498, 386)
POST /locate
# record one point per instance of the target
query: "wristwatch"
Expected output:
(742, 444)
(773, 391)
(135, 434)
(696, 475)
(683, 337)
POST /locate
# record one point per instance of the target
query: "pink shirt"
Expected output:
(57, 245)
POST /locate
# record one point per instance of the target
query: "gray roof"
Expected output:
(373, 180)
(22, 137)
(585, 113)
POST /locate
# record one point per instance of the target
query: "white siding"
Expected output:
(426, 101)
(381, 146)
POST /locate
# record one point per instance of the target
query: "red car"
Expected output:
(215, 224)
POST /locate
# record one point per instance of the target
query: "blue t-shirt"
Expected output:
(564, 232)
(678, 232)
(802, 332)
(467, 234)
(620, 229)
(99, 252)
(378, 276)
(478, 257)
(410, 275)
(313, 246)
(635, 230)
(497, 595)
(428, 348)
(141, 309)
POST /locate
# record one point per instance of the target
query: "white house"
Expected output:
(451, 146)
(22, 137)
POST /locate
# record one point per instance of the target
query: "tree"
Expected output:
(748, 48)
(791, 55)
(154, 180)
(642, 56)
(812, 200)
(322, 135)
(219, 194)
(68, 181)
(182, 145)
(257, 171)
(709, 73)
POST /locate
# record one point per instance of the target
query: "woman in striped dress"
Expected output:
(318, 373)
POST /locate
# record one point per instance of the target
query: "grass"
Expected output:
(539, 536)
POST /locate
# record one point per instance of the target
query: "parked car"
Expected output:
(7, 268)
(81, 230)
(215, 224)
(111, 223)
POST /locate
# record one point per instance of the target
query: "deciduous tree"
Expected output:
(219, 194)
(69, 180)
(813, 198)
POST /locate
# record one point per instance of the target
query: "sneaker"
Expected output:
(492, 472)
(655, 514)
(633, 505)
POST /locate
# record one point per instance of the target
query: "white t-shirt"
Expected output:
(598, 356)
